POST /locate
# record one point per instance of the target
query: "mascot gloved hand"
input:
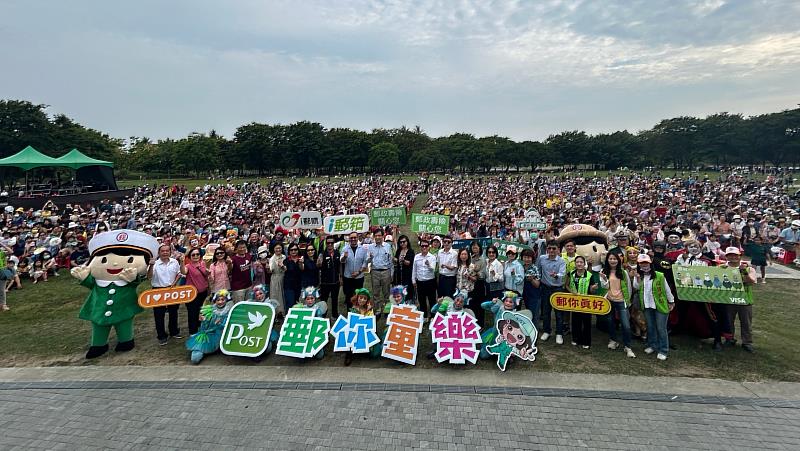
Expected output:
(118, 263)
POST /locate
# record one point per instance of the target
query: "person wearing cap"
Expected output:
(744, 312)
(790, 239)
(513, 272)
(118, 262)
(656, 301)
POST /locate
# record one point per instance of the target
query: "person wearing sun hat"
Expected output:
(118, 262)
(656, 301)
(745, 312)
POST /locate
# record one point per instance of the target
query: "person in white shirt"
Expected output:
(423, 277)
(447, 258)
(165, 272)
(656, 301)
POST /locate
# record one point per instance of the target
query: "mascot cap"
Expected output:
(124, 238)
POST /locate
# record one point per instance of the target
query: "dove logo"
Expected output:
(248, 329)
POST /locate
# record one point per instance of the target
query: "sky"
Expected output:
(521, 69)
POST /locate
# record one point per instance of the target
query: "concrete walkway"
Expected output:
(778, 271)
(412, 376)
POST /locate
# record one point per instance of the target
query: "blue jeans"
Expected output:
(533, 300)
(657, 330)
(624, 320)
(547, 291)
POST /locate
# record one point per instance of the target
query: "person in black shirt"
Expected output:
(330, 276)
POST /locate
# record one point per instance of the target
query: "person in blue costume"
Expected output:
(309, 298)
(213, 318)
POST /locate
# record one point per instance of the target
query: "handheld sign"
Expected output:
(301, 220)
(580, 303)
(248, 329)
(161, 297)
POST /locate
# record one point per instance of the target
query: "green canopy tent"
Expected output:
(27, 159)
(75, 159)
(89, 170)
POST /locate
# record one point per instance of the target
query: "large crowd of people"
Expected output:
(228, 237)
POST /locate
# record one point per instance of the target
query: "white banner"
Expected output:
(301, 220)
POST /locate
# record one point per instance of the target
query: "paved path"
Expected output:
(330, 419)
(308, 408)
(777, 271)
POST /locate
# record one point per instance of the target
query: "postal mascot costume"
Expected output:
(117, 264)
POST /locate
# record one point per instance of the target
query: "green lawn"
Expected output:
(42, 329)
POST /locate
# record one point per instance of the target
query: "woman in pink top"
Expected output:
(197, 276)
(219, 273)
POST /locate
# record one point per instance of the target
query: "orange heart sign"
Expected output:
(160, 297)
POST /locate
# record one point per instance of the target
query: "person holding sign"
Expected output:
(656, 301)
(745, 312)
(165, 272)
(582, 281)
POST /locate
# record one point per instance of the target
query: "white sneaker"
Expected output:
(612, 344)
(544, 336)
(629, 353)
(559, 340)
(661, 356)
(649, 350)
(574, 344)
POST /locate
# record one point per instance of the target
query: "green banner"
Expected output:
(388, 216)
(710, 284)
(502, 245)
(436, 224)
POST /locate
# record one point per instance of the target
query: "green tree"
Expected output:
(384, 157)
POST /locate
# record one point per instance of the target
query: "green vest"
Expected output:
(659, 293)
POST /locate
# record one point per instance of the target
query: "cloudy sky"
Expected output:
(523, 69)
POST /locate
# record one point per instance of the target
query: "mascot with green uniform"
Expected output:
(118, 263)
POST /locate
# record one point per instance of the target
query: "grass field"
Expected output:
(42, 329)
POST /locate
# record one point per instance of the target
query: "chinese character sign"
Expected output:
(345, 224)
(356, 333)
(456, 336)
(302, 335)
(502, 245)
(436, 224)
(516, 336)
(301, 220)
(388, 216)
(403, 326)
(580, 303)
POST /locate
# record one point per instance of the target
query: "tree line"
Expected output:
(308, 148)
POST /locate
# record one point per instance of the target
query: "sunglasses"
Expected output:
(424, 245)
(491, 252)
(196, 254)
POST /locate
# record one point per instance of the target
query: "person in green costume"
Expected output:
(118, 263)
